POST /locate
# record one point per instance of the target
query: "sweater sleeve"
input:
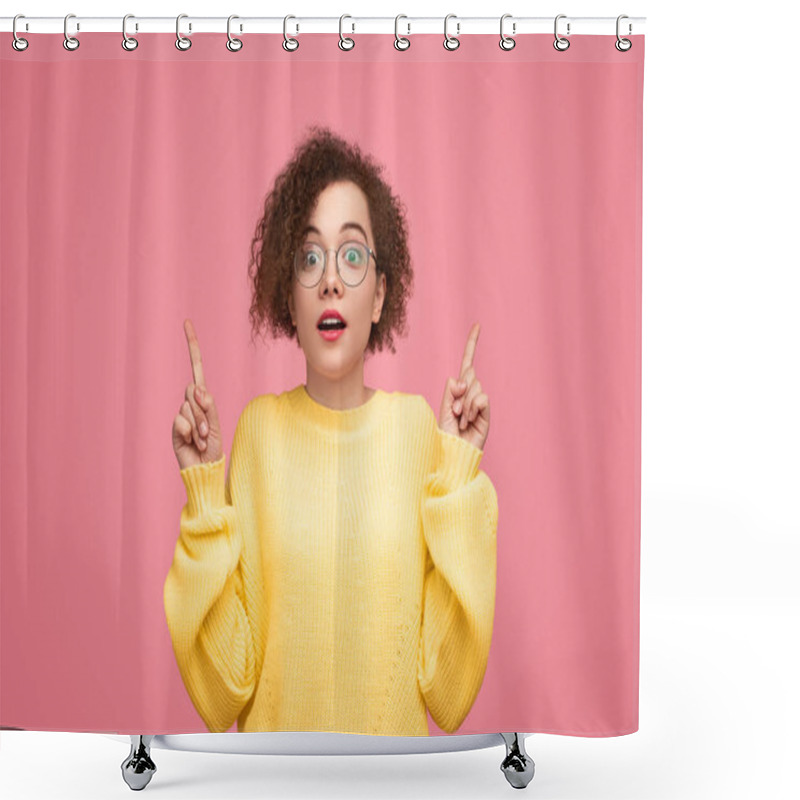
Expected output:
(459, 516)
(210, 611)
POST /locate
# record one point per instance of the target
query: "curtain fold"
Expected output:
(132, 184)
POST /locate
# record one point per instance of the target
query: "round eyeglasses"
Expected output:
(352, 262)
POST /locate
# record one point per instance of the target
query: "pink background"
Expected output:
(130, 189)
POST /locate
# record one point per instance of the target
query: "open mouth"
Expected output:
(331, 324)
(330, 320)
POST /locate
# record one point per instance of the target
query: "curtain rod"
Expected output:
(349, 24)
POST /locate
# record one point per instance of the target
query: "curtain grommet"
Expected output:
(70, 42)
(451, 42)
(182, 42)
(345, 43)
(233, 44)
(401, 42)
(129, 43)
(17, 42)
(560, 43)
(290, 43)
(507, 42)
(623, 45)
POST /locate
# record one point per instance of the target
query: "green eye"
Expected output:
(355, 255)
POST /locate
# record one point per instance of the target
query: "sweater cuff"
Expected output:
(205, 487)
(459, 461)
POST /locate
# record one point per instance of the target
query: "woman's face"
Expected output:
(341, 214)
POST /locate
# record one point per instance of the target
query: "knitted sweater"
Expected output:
(342, 578)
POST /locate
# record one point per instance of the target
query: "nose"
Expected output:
(330, 274)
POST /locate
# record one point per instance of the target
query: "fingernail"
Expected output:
(203, 428)
(457, 406)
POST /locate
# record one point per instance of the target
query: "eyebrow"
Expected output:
(312, 229)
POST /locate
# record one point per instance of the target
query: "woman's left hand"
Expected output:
(465, 407)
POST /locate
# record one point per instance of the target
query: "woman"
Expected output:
(343, 578)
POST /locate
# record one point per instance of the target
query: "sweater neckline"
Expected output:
(337, 418)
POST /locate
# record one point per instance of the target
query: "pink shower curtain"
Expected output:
(497, 566)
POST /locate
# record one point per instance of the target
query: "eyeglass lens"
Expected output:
(352, 259)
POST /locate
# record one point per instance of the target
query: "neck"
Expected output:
(347, 391)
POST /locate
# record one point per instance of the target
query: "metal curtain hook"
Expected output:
(182, 43)
(506, 42)
(70, 42)
(560, 42)
(289, 42)
(18, 43)
(233, 44)
(345, 43)
(128, 42)
(623, 45)
(451, 42)
(400, 42)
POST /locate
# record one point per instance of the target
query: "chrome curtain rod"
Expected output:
(406, 25)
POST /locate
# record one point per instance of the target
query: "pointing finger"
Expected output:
(469, 352)
(194, 353)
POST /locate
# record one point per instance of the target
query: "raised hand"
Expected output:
(465, 407)
(196, 435)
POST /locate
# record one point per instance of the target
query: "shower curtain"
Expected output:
(220, 512)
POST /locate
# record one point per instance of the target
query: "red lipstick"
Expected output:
(332, 329)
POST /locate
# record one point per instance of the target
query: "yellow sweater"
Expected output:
(342, 578)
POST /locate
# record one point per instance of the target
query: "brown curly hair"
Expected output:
(324, 158)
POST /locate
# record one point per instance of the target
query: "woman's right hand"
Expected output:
(196, 435)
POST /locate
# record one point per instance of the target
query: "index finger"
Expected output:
(194, 353)
(469, 351)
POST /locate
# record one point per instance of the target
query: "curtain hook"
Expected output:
(560, 42)
(623, 45)
(18, 43)
(289, 42)
(345, 43)
(70, 42)
(182, 43)
(233, 44)
(128, 42)
(400, 42)
(507, 42)
(451, 42)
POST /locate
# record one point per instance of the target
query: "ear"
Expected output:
(380, 296)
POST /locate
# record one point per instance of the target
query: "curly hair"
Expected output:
(324, 158)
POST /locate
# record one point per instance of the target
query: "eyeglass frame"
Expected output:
(325, 252)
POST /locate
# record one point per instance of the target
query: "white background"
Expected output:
(719, 696)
